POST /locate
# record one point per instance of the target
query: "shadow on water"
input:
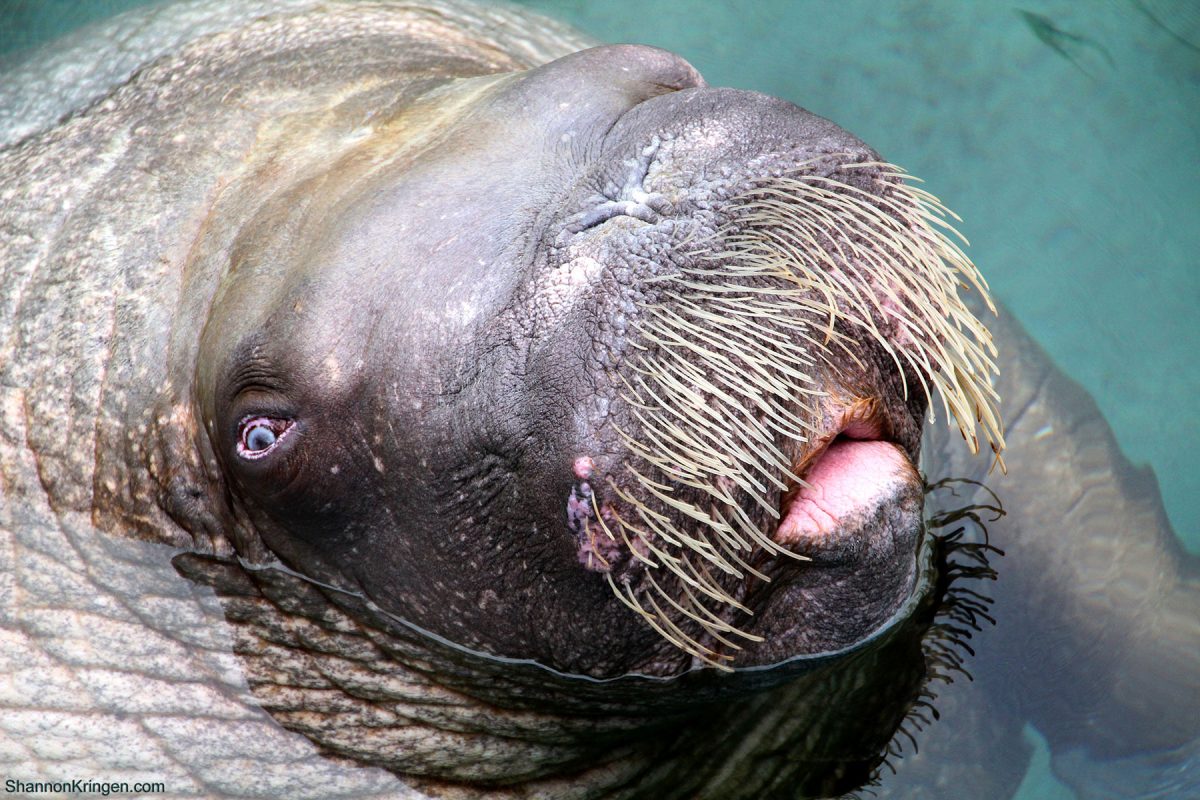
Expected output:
(1071, 46)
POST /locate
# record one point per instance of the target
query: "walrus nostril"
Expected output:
(588, 91)
(623, 74)
(653, 67)
(629, 199)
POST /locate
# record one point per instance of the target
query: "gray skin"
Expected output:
(419, 237)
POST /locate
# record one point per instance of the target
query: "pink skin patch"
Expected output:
(597, 550)
(583, 467)
(851, 475)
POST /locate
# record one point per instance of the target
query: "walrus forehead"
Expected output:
(435, 206)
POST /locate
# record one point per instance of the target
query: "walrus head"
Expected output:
(591, 365)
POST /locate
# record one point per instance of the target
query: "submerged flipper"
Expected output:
(1097, 642)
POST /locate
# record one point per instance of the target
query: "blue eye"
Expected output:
(260, 437)
(257, 435)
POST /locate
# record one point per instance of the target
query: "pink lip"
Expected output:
(849, 476)
(846, 472)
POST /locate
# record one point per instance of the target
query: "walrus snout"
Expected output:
(777, 365)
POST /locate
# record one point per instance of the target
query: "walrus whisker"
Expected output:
(726, 545)
(862, 322)
(742, 455)
(647, 514)
(733, 336)
(632, 396)
(692, 403)
(713, 630)
(695, 544)
(717, 622)
(771, 410)
(908, 244)
(748, 527)
(729, 539)
(696, 649)
(589, 533)
(701, 546)
(680, 640)
(714, 434)
(762, 344)
(623, 529)
(753, 428)
(748, 348)
(801, 331)
(647, 482)
(705, 584)
(703, 576)
(752, 530)
(811, 279)
(859, 212)
(694, 457)
(671, 562)
(600, 518)
(728, 469)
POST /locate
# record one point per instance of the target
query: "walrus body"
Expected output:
(397, 402)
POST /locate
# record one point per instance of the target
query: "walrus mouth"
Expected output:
(840, 472)
(775, 391)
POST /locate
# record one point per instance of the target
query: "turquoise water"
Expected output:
(1076, 170)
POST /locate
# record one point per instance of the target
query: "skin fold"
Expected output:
(428, 253)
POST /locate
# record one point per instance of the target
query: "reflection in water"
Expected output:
(815, 727)
(120, 648)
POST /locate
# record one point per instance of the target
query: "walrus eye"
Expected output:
(257, 436)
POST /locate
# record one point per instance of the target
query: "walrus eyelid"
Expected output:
(255, 371)
(255, 385)
(259, 435)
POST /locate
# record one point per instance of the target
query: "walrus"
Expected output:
(423, 400)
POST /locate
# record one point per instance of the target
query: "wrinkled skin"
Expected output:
(419, 261)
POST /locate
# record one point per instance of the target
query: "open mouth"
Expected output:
(849, 469)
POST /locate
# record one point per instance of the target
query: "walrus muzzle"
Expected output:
(775, 397)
